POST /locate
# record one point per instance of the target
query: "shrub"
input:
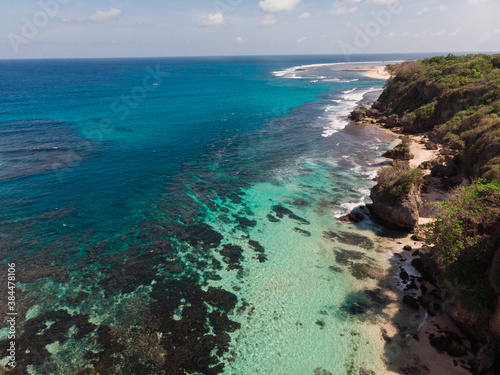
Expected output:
(425, 111)
(464, 240)
(463, 219)
(397, 180)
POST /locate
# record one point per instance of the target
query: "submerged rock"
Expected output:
(303, 232)
(320, 371)
(244, 222)
(281, 212)
(272, 218)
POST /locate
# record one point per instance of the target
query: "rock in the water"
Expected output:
(352, 217)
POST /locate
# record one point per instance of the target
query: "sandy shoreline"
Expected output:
(420, 356)
(377, 72)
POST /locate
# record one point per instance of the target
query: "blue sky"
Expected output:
(130, 28)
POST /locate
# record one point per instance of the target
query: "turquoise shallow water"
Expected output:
(191, 229)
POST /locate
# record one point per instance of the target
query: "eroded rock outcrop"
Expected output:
(400, 214)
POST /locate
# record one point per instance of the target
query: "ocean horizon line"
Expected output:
(417, 54)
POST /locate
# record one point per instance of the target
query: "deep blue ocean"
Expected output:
(159, 212)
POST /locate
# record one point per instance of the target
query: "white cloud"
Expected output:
(444, 8)
(497, 31)
(301, 39)
(213, 20)
(406, 34)
(343, 10)
(273, 6)
(269, 20)
(240, 40)
(476, 2)
(389, 36)
(423, 11)
(342, 7)
(438, 33)
(382, 2)
(101, 16)
(305, 15)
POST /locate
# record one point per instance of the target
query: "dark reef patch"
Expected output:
(345, 257)
(199, 234)
(303, 232)
(232, 256)
(281, 212)
(125, 278)
(272, 218)
(48, 328)
(360, 265)
(244, 222)
(256, 246)
(189, 343)
(350, 238)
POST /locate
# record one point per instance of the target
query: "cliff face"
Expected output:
(401, 213)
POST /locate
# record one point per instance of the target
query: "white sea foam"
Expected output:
(349, 207)
(349, 91)
(338, 111)
(295, 71)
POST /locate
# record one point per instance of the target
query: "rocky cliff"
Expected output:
(454, 101)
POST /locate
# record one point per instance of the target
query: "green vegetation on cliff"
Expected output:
(397, 180)
(458, 99)
(465, 240)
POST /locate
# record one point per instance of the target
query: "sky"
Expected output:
(157, 28)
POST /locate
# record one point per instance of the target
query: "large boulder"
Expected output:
(391, 122)
(401, 214)
(358, 115)
(485, 358)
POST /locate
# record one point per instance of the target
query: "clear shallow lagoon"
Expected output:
(185, 222)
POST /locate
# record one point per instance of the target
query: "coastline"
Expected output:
(405, 332)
